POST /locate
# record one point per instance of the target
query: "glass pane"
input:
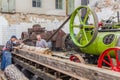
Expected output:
(38, 4)
(56, 4)
(70, 6)
(34, 3)
(38, 0)
(59, 4)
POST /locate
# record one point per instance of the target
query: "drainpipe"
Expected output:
(66, 7)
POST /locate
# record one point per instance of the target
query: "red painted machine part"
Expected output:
(109, 62)
(76, 58)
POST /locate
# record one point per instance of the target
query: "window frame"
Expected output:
(58, 4)
(35, 3)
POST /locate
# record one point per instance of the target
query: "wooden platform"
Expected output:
(76, 70)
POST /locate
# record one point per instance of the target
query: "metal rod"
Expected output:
(118, 16)
(66, 7)
(83, 11)
(59, 28)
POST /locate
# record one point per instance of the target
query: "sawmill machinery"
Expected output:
(59, 41)
(96, 39)
(99, 42)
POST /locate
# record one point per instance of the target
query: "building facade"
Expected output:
(17, 16)
(48, 7)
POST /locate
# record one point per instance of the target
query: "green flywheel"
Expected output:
(86, 31)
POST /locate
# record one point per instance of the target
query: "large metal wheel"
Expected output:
(114, 64)
(81, 26)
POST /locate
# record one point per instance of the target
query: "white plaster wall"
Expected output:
(6, 30)
(106, 8)
(3, 30)
(77, 3)
(48, 7)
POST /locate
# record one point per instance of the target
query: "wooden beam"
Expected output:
(76, 70)
(41, 74)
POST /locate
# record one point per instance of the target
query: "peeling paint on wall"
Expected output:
(15, 25)
(105, 8)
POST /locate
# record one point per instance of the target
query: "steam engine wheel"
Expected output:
(109, 54)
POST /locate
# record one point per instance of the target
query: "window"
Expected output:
(70, 6)
(36, 3)
(59, 4)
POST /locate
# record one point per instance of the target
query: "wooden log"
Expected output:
(38, 50)
(2, 76)
(13, 73)
(41, 50)
(31, 48)
(26, 47)
(21, 45)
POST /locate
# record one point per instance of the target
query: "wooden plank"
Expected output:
(41, 74)
(60, 55)
(54, 68)
(38, 72)
(70, 68)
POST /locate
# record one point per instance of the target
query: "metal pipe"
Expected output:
(59, 28)
(83, 11)
(118, 15)
(66, 7)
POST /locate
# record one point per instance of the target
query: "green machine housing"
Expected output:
(91, 38)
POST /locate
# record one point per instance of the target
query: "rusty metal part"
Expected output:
(56, 40)
(33, 36)
(29, 42)
(36, 27)
(68, 44)
(59, 37)
(44, 35)
(59, 28)
(30, 30)
(24, 35)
